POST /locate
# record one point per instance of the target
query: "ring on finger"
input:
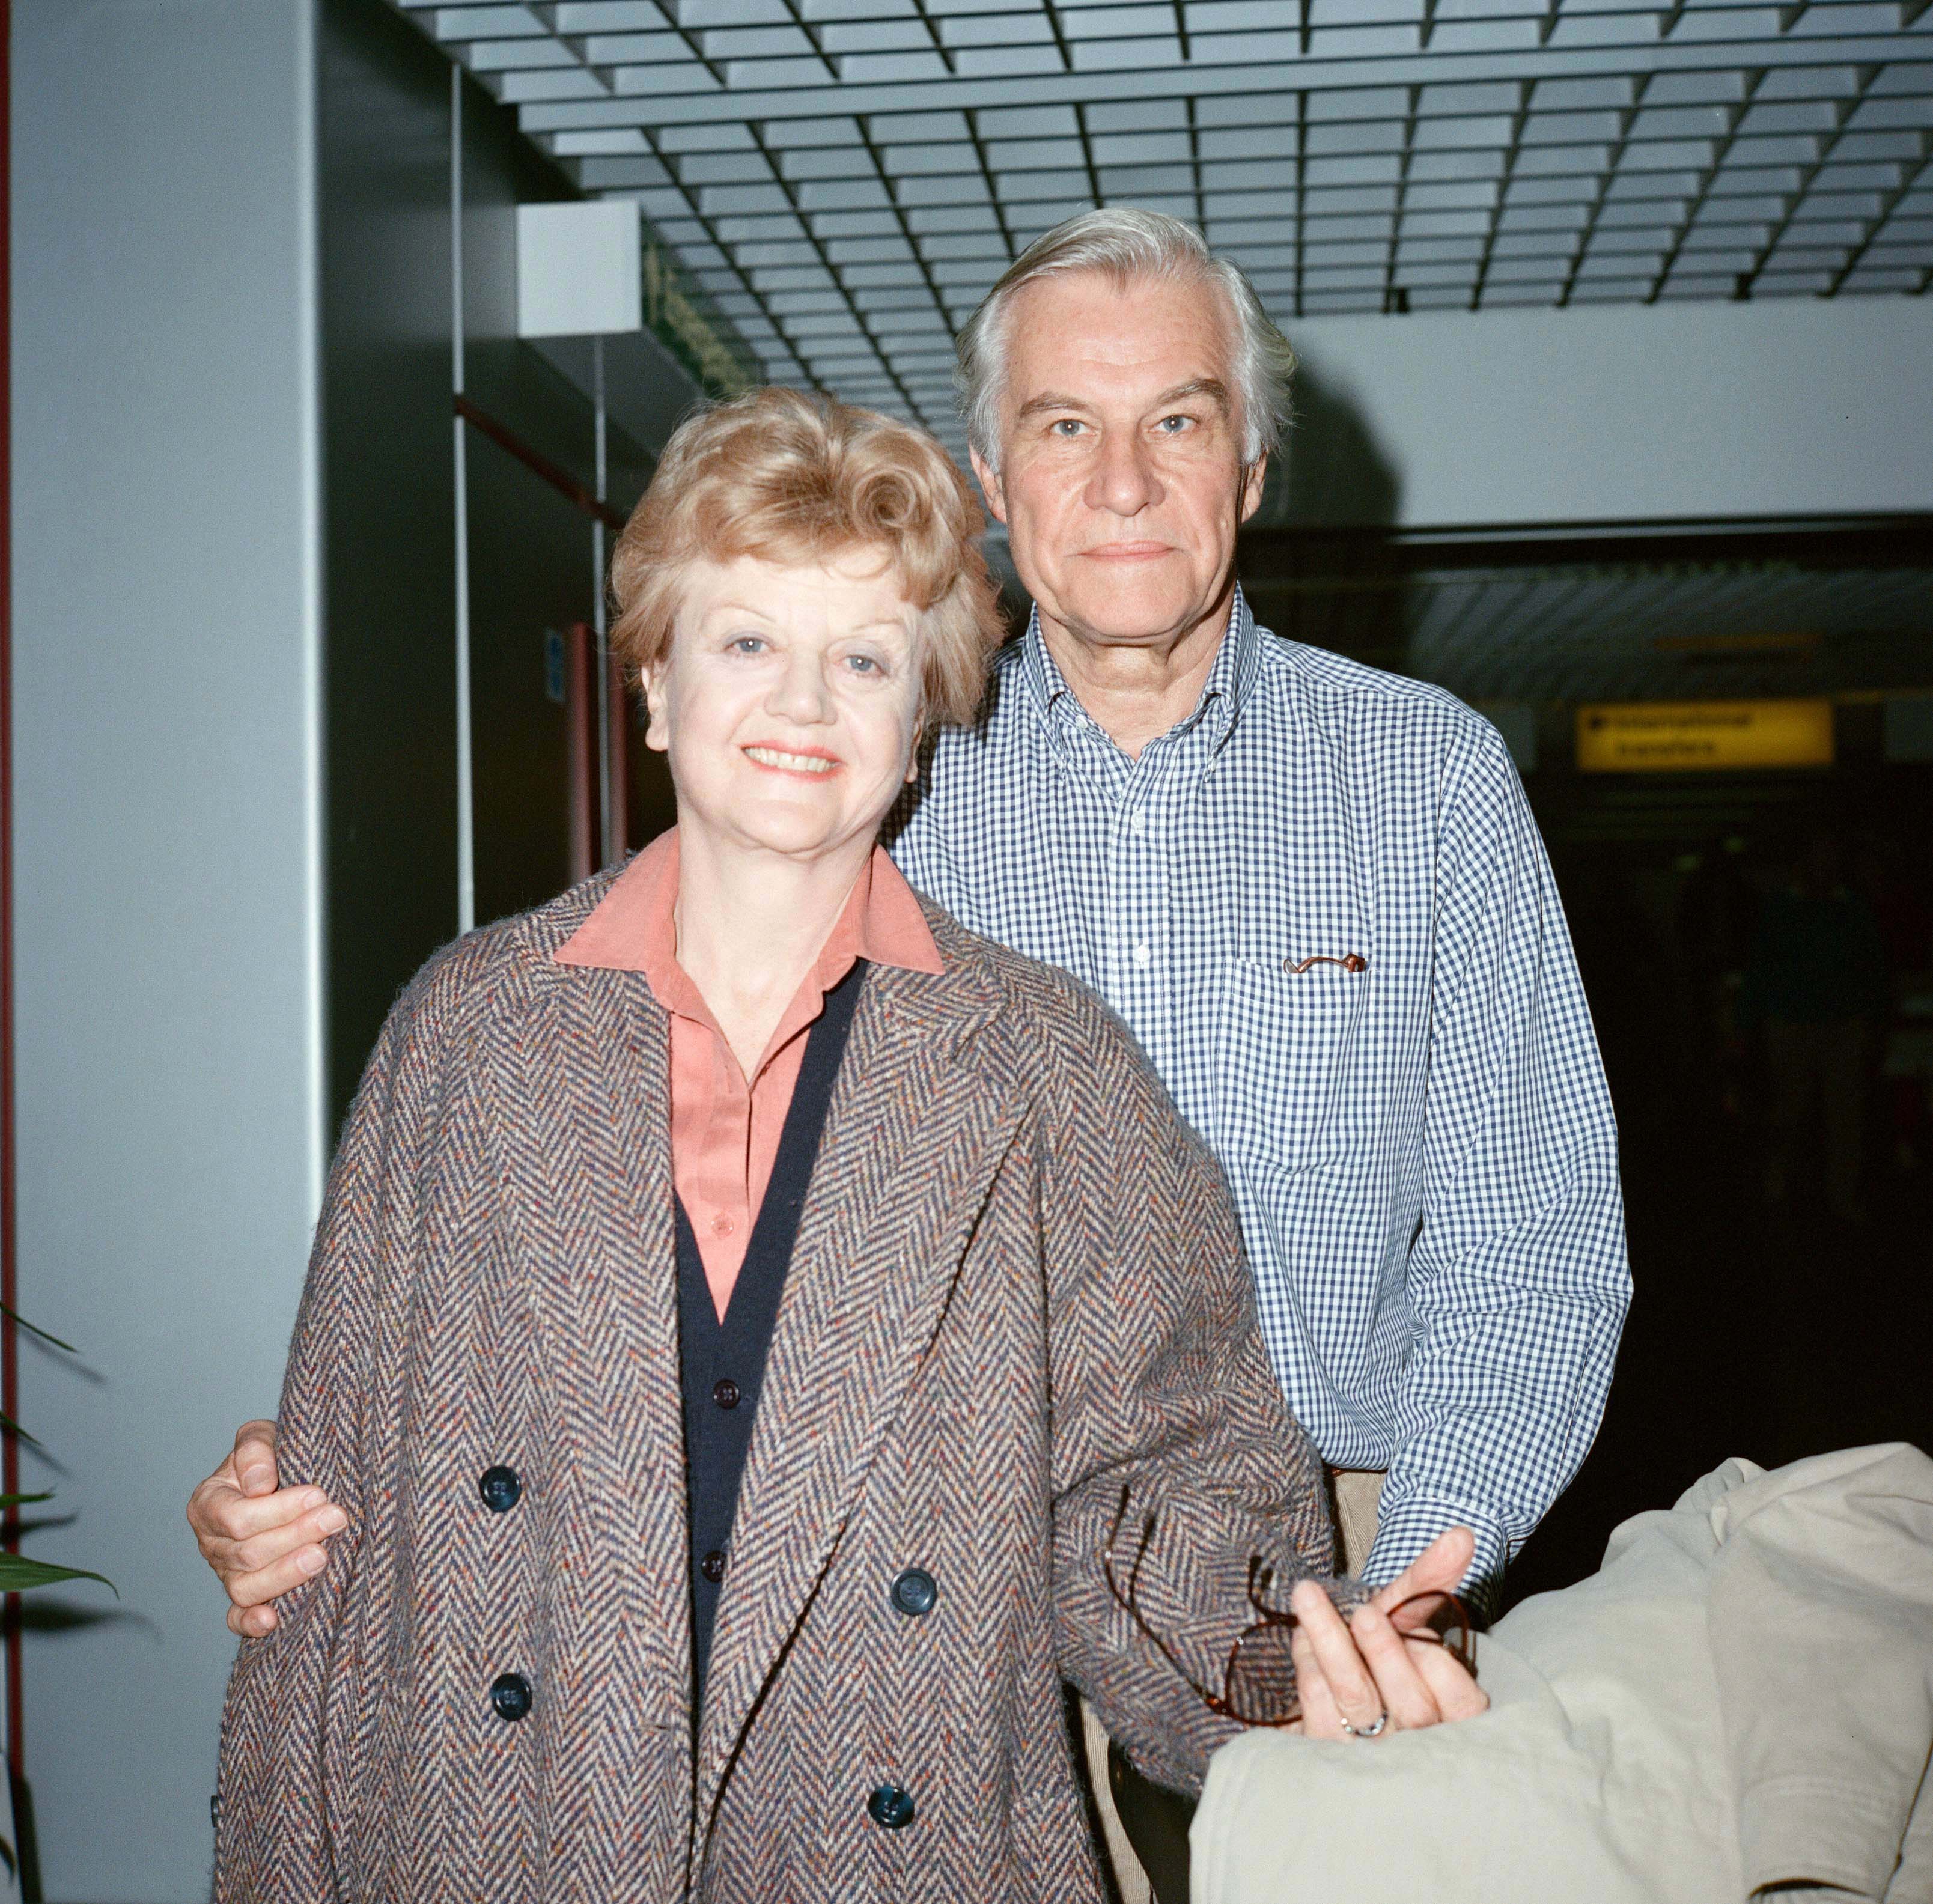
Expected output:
(1365, 1732)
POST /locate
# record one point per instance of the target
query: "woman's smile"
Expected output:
(810, 762)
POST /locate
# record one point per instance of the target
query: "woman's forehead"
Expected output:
(858, 587)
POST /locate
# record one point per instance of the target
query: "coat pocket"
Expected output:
(1284, 1041)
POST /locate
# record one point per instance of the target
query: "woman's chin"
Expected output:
(794, 830)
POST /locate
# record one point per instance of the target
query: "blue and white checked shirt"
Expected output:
(1422, 1153)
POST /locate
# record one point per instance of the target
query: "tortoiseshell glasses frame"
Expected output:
(1260, 1693)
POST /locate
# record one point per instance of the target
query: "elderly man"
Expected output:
(1314, 892)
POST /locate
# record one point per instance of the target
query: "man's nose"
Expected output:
(802, 693)
(1123, 481)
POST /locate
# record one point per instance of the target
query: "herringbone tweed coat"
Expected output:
(1017, 1287)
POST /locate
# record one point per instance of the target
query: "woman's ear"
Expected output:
(658, 719)
(913, 758)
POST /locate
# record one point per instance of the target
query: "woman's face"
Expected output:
(789, 701)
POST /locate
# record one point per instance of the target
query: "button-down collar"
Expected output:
(1231, 680)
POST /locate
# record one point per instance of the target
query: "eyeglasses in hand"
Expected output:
(1258, 1682)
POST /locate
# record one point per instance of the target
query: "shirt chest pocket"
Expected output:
(1284, 1044)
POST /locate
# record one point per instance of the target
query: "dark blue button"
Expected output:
(890, 1806)
(725, 1392)
(915, 1592)
(713, 1566)
(510, 1694)
(500, 1489)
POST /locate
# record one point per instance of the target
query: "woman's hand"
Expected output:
(260, 1540)
(1372, 1674)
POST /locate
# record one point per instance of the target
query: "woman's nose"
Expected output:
(802, 693)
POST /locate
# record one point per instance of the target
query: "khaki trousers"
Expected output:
(1354, 1495)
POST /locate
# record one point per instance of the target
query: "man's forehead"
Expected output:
(1162, 339)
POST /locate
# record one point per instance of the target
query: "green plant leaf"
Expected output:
(12, 1427)
(18, 1574)
(34, 1328)
(23, 1500)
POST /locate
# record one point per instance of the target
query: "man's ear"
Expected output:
(989, 480)
(1251, 487)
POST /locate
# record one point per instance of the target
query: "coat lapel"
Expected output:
(911, 1140)
(588, 1166)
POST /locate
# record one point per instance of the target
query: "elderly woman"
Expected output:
(761, 1337)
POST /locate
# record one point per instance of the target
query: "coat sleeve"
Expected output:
(283, 1780)
(1162, 1393)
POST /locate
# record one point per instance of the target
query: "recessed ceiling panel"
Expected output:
(846, 177)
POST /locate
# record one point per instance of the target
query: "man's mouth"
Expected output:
(1127, 551)
(776, 758)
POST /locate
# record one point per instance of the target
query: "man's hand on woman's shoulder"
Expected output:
(260, 1540)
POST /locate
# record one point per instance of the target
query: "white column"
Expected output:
(166, 629)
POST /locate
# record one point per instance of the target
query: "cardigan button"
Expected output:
(510, 1694)
(725, 1391)
(500, 1489)
(713, 1566)
(914, 1592)
(890, 1807)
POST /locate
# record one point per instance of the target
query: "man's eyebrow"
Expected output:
(1048, 400)
(1210, 387)
(1213, 388)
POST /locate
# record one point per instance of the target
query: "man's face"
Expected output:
(1121, 481)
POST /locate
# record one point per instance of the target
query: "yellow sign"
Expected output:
(1681, 737)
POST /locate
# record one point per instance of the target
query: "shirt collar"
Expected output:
(634, 928)
(1232, 678)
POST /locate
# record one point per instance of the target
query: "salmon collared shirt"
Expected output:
(726, 1128)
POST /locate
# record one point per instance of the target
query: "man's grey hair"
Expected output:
(1131, 247)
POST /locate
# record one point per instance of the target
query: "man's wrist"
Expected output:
(1405, 1528)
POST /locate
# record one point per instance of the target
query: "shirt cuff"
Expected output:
(1404, 1530)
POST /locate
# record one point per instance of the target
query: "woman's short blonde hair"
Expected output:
(788, 478)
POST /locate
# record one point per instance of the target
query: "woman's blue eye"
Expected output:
(862, 664)
(747, 644)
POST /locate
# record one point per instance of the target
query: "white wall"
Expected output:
(165, 625)
(1785, 407)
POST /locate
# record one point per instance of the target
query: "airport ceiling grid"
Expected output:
(847, 178)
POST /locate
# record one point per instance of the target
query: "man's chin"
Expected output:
(1127, 617)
